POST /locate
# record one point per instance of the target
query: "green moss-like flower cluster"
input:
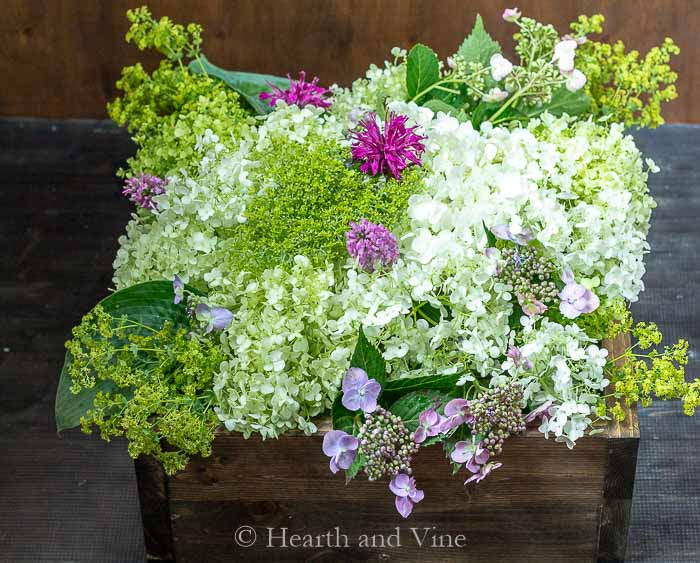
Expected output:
(311, 197)
(161, 380)
(621, 85)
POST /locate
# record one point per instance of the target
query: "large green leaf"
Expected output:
(563, 101)
(422, 69)
(411, 405)
(150, 303)
(247, 84)
(479, 46)
(395, 389)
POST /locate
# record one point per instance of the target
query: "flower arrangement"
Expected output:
(431, 256)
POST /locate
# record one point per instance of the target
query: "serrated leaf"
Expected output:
(368, 358)
(563, 101)
(342, 418)
(411, 405)
(483, 112)
(357, 464)
(422, 69)
(479, 46)
(395, 389)
(150, 303)
(248, 84)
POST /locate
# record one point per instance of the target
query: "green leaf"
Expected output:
(357, 464)
(422, 69)
(395, 389)
(150, 303)
(563, 101)
(368, 358)
(479, 46)
(438, 105)
(247, 84)
(342, 418)
(490, 237)
(411, 405)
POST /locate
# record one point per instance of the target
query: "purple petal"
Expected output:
(348, 442)
(462, 452)
(420, 435)
(354, 379)
(457, 407)
(404, 506)
(568, 276)
(221, 318)
(416, 495)
(370, 391)
(352, 400)
(345, 459)
(502, 232)
(400, 485)
(178, 288)
(568, 310)
(333, 466)
(538, 412)
(481, 455)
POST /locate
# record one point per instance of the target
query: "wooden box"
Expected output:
(277, 501)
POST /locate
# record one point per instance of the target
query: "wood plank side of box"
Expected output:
(547, 503)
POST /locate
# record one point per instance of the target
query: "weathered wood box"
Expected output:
(277, 501)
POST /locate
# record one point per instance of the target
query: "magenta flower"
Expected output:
(429, 424)
(404, 487)
(511, 14)
(371, 245)
(341, 447)
(539, 412)
(576, 299)
(516, 355)
(391, 150)
(457, 412)
(140, 190)
(216, 317)
(360, 392)
(483, 472)
(178, 289)
(300, 93)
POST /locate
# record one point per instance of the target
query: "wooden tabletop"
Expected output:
(74, 497)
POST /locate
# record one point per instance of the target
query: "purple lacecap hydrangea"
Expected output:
(300, 93)
(372, 245)
(404, 487)
(390, 150)
(141, 189)
(359, 391)
(341, 447)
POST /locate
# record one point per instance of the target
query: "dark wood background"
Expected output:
(61, 58)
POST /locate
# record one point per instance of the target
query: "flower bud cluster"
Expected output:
(497, 415)
(529, 273)
(386, 444)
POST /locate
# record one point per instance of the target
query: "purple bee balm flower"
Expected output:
(178, 289)
(484, 471)
(141, 189)
(429, 424)
(457, 412)
(404, 487)
(516, 355)
(300, 93)
(371, 245)
(539, 412)
(341, 447)
(504, 232)
(531, 306)
(390, 150)
(360, 392)
(576, 299)
(216, 317)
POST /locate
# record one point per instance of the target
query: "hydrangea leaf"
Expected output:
(479, 46)
(439, 105)
(342, 418)
(247, 84)
(150, 303)
(422, 69)
(396, 389)
(563, 101)
(357, 464)
(368, 358)
(411, 405)
(490, 237)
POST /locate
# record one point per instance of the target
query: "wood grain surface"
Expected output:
(64, 56)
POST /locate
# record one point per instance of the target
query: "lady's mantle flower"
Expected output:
(576, 298)
(216, 317)
(511, 14)
(141, 189)
(360, 392)
(393, 149)
(500, 67)
(372, 245)
(457, 412)
(404, 487)
(341, 447)
(178, 289)
(300, 93)
(429, 424)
